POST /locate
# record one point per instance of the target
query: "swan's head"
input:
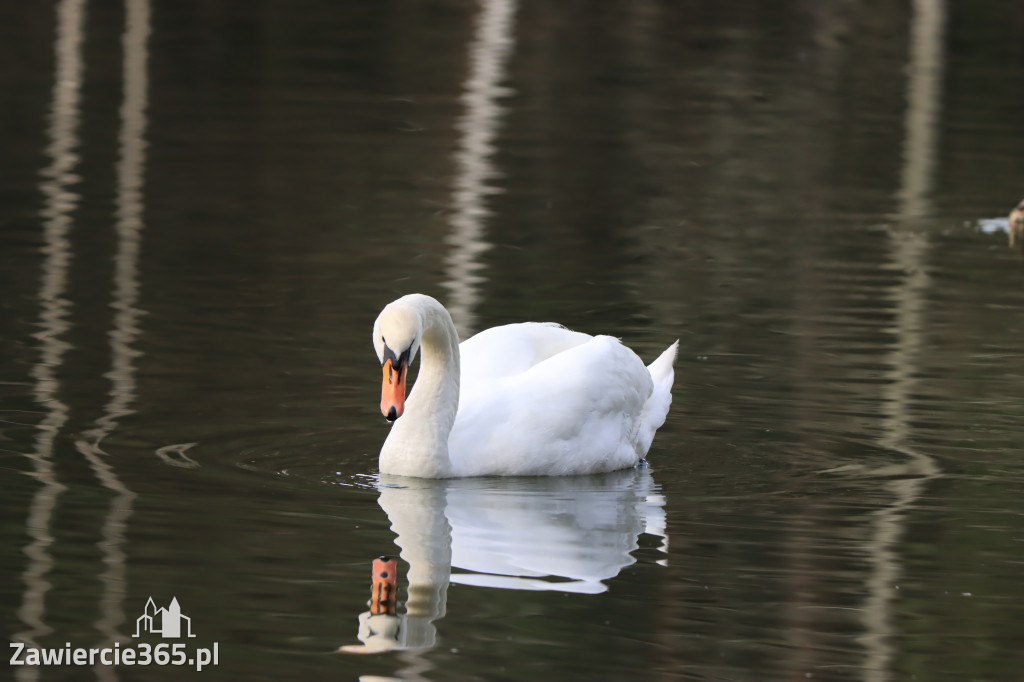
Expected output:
(396, 338)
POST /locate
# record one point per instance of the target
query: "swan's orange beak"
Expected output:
(392, 391)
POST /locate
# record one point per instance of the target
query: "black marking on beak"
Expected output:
(392, 415)
(398, 362)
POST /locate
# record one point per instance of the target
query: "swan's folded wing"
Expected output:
(512, 349)
(578, 411)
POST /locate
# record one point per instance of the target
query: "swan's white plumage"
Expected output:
(526, 399)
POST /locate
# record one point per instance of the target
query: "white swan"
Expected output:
(530, 399)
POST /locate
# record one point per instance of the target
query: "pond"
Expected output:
(205, 206)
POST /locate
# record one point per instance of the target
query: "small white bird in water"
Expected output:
(529, 399)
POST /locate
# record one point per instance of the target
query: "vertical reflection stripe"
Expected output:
(125, 330)
(474, 168)
(909, 297)
(59, 202)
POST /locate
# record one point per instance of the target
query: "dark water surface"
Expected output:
(203, 206)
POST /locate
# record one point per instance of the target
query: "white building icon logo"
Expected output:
(166, 622)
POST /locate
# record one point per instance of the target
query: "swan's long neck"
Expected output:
(418, 442)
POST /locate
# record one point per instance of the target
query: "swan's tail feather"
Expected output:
(661, 369)
(656, 408)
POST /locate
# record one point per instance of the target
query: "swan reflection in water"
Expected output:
(561, 534)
